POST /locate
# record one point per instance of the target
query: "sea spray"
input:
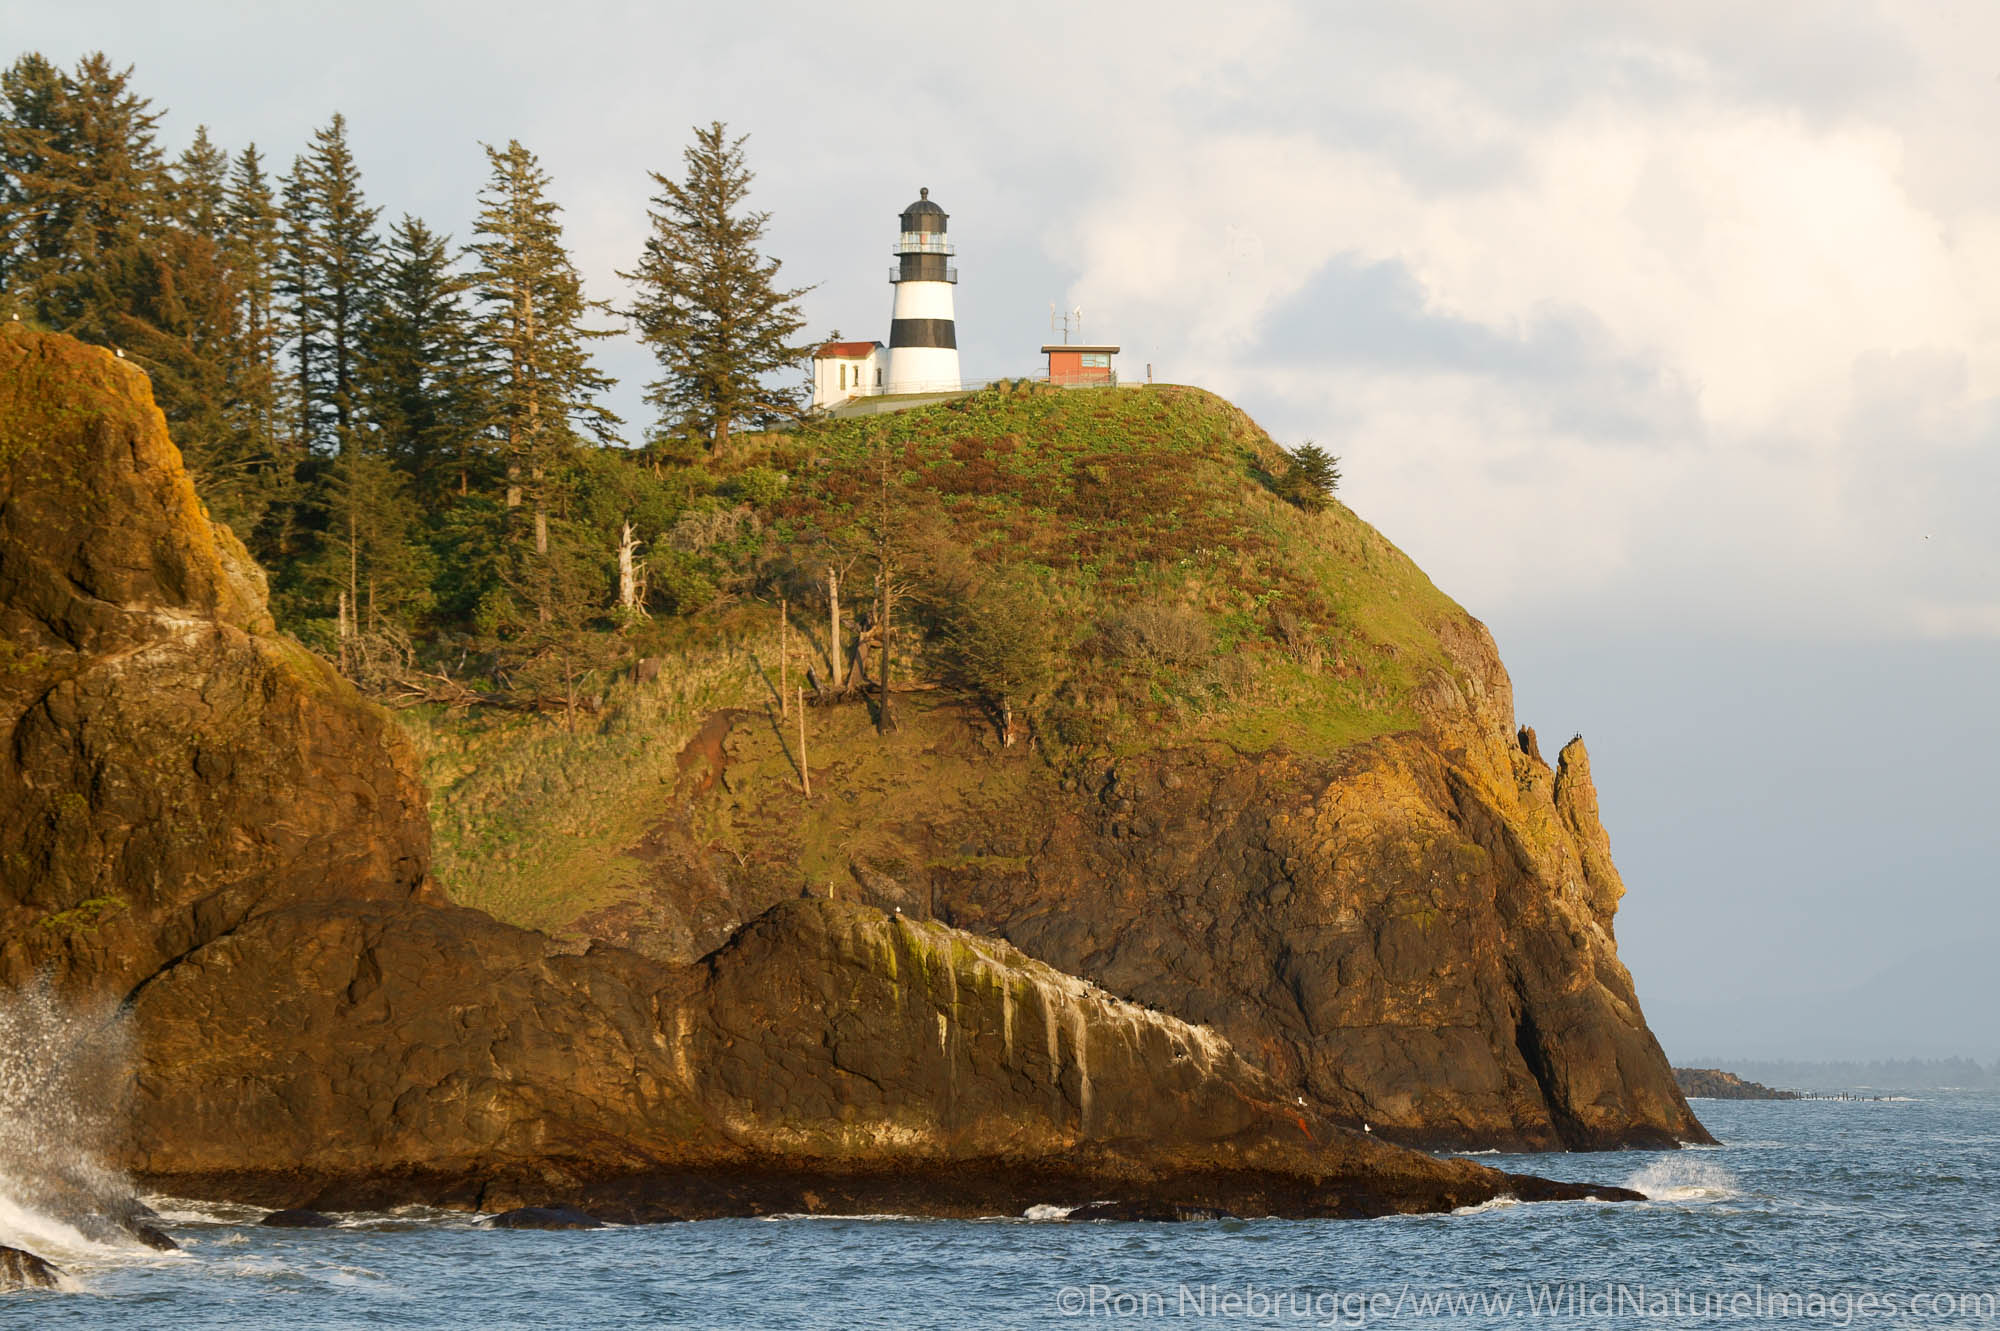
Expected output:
(1684, 1178)
(65, 1081)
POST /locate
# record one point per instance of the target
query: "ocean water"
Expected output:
(1815, 1213)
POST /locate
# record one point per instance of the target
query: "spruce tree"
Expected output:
(252, 235)
(330, 275)
(532, 330)
(423, 388)
(180, 321)
(83, 193)
(199, 187)
(708, 302)
(1315, 475)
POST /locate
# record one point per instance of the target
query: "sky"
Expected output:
(1666, 338)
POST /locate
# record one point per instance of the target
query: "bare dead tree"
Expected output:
(835, 662)
(631, 580)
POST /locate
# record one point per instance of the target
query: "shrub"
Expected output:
(680, 582)
(760, 486)
(996, 640)
(1314, 476)
(701, 530)
(1157, 635)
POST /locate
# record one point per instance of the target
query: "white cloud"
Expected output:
(1812, 338)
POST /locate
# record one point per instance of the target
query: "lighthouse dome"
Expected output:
(923, 215)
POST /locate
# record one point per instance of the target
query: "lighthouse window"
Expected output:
(878, 376)
(843, 378)
(1096, 360)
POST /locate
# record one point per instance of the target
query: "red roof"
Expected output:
(845, 350)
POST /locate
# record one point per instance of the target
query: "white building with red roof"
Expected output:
(843, 370)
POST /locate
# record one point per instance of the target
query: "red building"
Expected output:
(1073, 365)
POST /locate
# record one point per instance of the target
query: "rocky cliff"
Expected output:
(160, 731)
(1328, 841)
(202, 820)
(1412, 936)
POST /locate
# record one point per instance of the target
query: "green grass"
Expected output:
(1322, 631)
(530, 820)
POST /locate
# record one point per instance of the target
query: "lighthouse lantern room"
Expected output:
(923, 336)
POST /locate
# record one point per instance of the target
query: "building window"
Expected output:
(1096, 360)
(843, 377)
(878, 376)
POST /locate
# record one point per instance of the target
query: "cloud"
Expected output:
(1681, 309)
(1756, 288)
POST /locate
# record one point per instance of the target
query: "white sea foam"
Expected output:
(1504, 1201)
(63, 1080)
(1683, 1178)
(183, 1211)
(1046, 1212)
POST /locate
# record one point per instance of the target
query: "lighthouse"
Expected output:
(923, 338)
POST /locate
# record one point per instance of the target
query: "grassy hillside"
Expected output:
(1135, 540)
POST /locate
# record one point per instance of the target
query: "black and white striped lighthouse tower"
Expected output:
(923, 337)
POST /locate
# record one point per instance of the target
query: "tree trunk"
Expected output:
(341, 630)
(353, 556)
(835, 661)
(628, 573)
(885, 720)
(805, 769)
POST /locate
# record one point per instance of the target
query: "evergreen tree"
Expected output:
(180, 320)
(199, 188)
(532, 330)
(265, 466)
(365, 555)
(82, 193)
(1314, 476)
(709, 304)
(330, 275)
(423, 389)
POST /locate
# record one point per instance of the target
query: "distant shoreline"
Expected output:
(1715, 1084)
(1863, 1076)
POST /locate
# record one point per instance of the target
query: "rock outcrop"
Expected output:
(1416, 935)
(173, 763)
(297, 1218)
(829, 1057)
(20, 1269)
(1398, 940)
(202, 819)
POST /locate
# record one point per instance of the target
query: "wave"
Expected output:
(64, 1075)
(1043, 1211)
(1683, 1179)
(1505, 1201)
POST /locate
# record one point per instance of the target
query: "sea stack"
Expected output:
(923, 336)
